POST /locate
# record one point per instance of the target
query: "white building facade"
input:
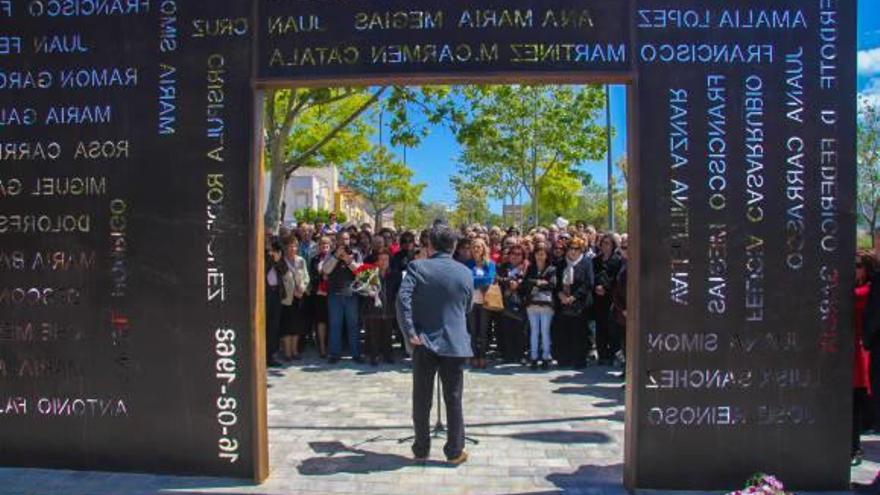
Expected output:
(313, 188)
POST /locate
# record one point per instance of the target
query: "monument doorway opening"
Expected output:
(341, 151)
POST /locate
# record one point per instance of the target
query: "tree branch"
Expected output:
(271, 119)
(330, 135)
(550, 167)
(341, 96)
(292, 111)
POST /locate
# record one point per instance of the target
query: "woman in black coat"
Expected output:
(276, 268)
(317, 298)
(606, 264)
(574, 288)
(512, 321)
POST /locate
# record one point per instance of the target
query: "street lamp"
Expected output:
(608, 154)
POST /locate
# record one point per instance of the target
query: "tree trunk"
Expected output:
(536, 192)
(277, 185)
(872, 228)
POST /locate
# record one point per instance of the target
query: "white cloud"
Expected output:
(869, 62)
(871, 93)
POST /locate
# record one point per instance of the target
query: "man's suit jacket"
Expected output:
(434, 300)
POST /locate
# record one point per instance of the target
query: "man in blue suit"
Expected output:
(435, 297)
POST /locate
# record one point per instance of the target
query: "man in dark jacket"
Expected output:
(402, 258)
(432, 305)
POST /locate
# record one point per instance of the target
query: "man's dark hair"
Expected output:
(443, 239)
(407, 238)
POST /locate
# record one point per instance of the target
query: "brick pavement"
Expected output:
(335, 430)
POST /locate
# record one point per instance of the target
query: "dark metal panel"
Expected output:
(132, 383)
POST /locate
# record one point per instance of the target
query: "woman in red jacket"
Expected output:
(865, 265)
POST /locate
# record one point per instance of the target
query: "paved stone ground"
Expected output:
(335, 430)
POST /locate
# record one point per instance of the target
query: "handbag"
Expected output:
(493, 300)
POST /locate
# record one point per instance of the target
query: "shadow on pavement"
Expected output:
(604, 392)
(587, 480)
(563, 437)
(605, 478)
(618, 416)
(339, 458)
(47, 482)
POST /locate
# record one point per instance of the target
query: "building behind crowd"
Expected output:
(311, 187)
(319, 188)
(357, 209)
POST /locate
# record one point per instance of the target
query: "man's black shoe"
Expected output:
(333, 360)
(274, 364)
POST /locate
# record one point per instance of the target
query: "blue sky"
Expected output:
(869, 48)
(434, 160)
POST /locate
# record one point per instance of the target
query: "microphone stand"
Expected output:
(439, 429)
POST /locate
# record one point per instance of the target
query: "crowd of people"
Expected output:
(549, 296)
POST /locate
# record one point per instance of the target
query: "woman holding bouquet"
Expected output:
(376, 285)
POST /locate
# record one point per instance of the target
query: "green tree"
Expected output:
(409, 212)
(560, 192)
(868, 162)
(310, 215)
(479, 164)
(312, 127)
(411, 215)
(436, 211)
(622, 165)
(531, 131)
(329, 126)
(382, 180)
(471, 201)
(593, 207)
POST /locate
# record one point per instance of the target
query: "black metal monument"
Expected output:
(129, 216)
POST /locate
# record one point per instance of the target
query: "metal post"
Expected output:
(610, 166)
